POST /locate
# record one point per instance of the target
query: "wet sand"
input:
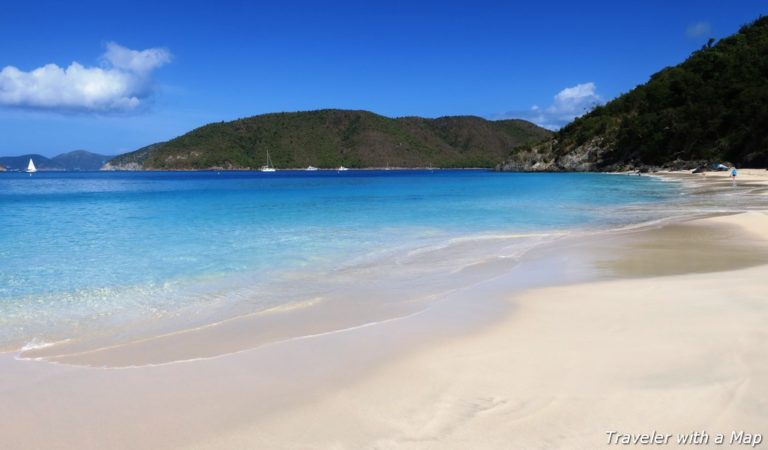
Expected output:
(659, 328)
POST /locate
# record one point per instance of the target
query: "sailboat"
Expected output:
(31, 167)
(311, 168)
(269, 167)
(341, 169)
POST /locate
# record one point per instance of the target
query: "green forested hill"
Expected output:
(330, 138)
(712, 107)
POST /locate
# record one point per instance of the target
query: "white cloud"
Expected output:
(121, 84)
(698, 29)
(567, 105)
(141, 62)
(574, 100)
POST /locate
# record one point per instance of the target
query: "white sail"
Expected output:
(269, 167)
(31, 166)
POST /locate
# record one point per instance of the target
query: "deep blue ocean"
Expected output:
(83, 244)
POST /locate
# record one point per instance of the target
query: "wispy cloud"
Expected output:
(698, 29)
(567, 105)
(122, 83)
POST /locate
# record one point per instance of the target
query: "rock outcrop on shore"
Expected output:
(543, 158)
(588, 157)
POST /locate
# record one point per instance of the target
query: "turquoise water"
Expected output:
(80, 245)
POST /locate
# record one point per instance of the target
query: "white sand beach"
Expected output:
(668, 336)
(668, 354)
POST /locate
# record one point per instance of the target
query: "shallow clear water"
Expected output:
(78, 246)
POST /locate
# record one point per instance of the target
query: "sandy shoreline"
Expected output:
(671, 354)
(669, 337)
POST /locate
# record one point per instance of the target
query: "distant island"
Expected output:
(70, 161)
(711, 108)
(331, 138)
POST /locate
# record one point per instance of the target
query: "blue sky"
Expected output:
(112, 77)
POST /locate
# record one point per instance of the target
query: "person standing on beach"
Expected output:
(733, 173)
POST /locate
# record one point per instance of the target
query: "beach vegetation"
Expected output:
(711, 107)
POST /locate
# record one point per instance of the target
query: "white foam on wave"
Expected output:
(479, 238)
(36, 344)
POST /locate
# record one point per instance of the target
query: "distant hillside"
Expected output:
(81, 160)
(712, 107)
(330, 138)
(76, 160)
(20, 162)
